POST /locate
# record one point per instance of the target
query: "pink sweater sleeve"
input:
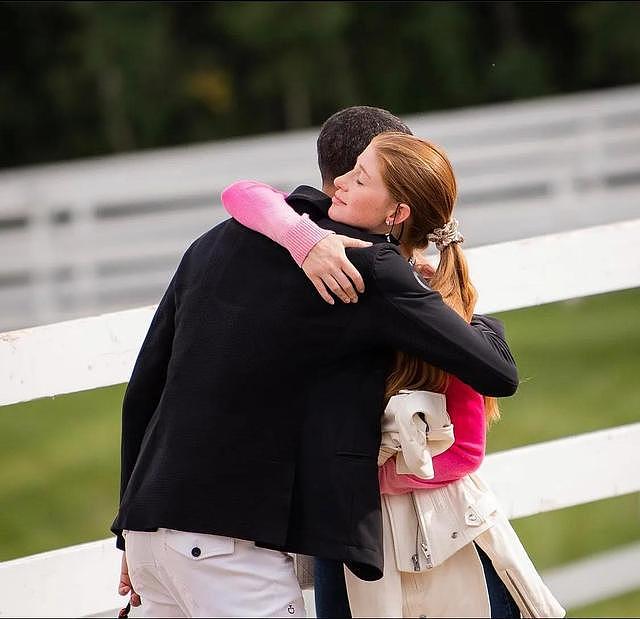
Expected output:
(466, 409)
(263, 209)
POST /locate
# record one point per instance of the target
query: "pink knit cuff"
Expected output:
(301, 238)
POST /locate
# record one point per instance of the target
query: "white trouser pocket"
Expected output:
(199, 546)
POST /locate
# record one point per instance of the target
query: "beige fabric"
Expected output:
(438, 526)
(431, 566)
(428, 526)
(409, 438)
(457, 588)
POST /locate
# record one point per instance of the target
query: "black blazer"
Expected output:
(253, 410)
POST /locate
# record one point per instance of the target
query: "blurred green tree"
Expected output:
(125, 52)
(89, 78)
(609, 43)
(294, 52)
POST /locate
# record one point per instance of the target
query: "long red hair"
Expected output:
(419, 174)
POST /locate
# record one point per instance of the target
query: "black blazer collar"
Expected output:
(313, 202)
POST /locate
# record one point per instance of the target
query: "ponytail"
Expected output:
(451, 280)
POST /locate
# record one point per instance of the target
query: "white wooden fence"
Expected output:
(97, 235)
(101, 350)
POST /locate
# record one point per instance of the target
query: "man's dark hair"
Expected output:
(347, 133)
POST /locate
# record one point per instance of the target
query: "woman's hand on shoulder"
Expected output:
(329, 269)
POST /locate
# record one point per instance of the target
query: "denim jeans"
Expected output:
(332, 601)
(502, 604)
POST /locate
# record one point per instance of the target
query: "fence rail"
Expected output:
(65, 229)
(101, 350)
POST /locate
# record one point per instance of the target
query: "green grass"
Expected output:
(578, 361)
(623, 606)
(59, 470)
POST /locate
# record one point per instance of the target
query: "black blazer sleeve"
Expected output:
(145, 386)
(414, 318)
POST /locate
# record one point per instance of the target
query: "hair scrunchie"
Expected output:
(446, 235)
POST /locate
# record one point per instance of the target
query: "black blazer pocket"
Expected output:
(356, 455)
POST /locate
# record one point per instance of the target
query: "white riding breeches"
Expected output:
(181, 574)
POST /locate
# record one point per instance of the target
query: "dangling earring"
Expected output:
(391, 224)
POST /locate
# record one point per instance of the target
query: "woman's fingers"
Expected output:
(335, 287)
(346, 285)
(348, 241)
(328, 262)
(322, 290)
(354, 275)
(339, 284)
(343, 280)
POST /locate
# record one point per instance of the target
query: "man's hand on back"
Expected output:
(422, 266)
(329, 269)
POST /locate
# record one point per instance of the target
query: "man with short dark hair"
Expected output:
(251, 424)
(346, 134)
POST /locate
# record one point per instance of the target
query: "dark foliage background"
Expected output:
(88, 78)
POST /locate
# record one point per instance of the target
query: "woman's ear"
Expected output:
(404, 211)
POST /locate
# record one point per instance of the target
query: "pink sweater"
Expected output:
(263, 209)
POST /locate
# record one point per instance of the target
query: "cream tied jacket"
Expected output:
(415, 428)
(428, 526)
